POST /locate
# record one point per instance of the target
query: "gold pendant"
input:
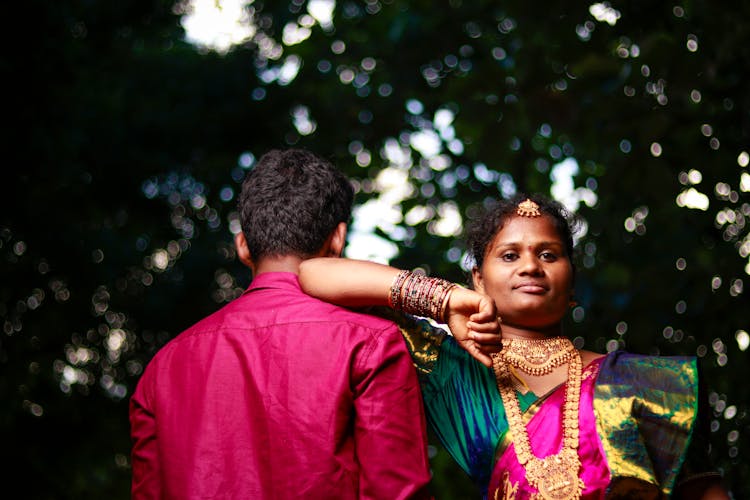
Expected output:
(556, 476)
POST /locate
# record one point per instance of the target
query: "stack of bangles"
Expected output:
(420, 295)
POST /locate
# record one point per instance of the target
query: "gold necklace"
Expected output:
(554, 476)
(538, 356)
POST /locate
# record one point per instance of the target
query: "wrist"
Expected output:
(420, 295)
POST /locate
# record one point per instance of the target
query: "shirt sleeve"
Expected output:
(145, 459)
(390, 425)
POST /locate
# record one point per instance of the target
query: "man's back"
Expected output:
(279, 395)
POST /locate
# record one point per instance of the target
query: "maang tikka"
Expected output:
(528, 208)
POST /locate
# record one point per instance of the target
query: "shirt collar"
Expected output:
(288, 281)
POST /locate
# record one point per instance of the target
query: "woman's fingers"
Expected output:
(486, 310)
(478, 353)
(486, 339)
(484, 327)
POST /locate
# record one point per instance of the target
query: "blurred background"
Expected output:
(130, 126)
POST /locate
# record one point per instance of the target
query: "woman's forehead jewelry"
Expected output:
(528, 208)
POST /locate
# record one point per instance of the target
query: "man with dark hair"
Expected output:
(277, 394)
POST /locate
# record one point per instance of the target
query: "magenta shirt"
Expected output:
(280, 395)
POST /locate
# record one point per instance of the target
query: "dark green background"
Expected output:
(116, 128)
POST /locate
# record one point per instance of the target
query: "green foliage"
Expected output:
(114, 232)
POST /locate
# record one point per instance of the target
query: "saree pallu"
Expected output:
(637, 418)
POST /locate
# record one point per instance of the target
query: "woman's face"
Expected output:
(527, 273)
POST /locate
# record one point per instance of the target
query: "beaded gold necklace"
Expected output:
(538, 356)
(554, 476)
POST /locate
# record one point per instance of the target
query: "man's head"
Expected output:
(291, 203)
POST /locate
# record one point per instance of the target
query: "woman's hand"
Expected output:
(472, 319)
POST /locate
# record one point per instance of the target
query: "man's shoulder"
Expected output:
(290, 306)
(333, 313)
(291, 310)
(210, 323)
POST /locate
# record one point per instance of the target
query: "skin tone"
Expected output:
(526, 272)
(529, 276)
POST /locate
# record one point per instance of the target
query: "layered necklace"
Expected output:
(555, 476)
(538, 356)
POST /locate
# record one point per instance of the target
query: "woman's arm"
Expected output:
(347, 282)
(471, 316)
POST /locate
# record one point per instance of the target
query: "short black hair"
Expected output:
(482, 230)
(291, 201)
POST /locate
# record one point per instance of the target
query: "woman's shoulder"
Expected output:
(627, 359)
(658, 395)
(588, 357)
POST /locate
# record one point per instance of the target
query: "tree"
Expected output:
(115, 233)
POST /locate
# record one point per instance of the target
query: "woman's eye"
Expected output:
(509, 256)
(548, 256)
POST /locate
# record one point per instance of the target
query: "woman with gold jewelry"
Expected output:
(539, 419)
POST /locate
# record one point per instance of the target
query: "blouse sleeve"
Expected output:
(647, 415)
(423, 338)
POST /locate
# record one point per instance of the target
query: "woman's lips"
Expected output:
(531, 287)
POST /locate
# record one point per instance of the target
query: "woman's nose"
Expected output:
(530, 265)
